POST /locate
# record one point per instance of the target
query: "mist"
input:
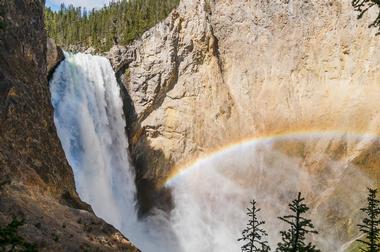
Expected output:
(210, 196)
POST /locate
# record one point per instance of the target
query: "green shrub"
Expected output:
(11, 241)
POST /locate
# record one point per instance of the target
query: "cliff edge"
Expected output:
(216, 73)
(36, 182)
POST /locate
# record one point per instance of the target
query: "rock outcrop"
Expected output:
(218, 72)
(54, 56)
(36, 182)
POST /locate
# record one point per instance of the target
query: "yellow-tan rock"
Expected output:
(219, 72)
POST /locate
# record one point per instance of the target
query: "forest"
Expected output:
(123, 21)
(119, 22)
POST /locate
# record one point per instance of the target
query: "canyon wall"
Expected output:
(36, 182)
(218, 72)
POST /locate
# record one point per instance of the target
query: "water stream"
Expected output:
(210, 198)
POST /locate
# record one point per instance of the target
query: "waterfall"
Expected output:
(211, 196)
(88, 114)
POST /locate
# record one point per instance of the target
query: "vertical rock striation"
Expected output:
(36, 182)
(217, 72)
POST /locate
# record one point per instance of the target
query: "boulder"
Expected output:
(54, 56)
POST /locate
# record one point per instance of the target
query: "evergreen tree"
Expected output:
(362, 6)
(253, 234)
(293, 240)
(119, 22)
(370, 224)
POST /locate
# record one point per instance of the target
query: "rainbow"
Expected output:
(185, 167)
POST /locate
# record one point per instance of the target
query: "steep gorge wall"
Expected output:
(36, 182)
(216, 72)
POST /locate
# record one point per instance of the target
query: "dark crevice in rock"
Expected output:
(74, 201)
(147, 160)
(149, 194)
(51, 72)
(215, 41)
(216, 52)
(150, 87)
(54, 57)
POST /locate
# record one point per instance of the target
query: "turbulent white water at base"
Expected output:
(211, 197)
(88, 113)
(89, 119)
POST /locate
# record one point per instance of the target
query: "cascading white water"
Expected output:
(210, 200)
(89, 119)
(88, 114)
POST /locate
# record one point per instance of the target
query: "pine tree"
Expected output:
(253, 234)
(362, 6)
(119, 22)
(293, 240)
(370, 224)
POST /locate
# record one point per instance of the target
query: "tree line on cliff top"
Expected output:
(125, 20)
(299, 227)
(119, 22)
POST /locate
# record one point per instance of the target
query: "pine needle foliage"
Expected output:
(362, 6)
(370, 224)
(253, 234)
(119, 22)
(293, 239)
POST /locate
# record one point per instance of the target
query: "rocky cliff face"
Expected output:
(216, 72)
(54, 56)
(36, 182)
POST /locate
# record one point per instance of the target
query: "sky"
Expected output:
(89, 4)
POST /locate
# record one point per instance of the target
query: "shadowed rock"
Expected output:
(36, 182)
(218, 72)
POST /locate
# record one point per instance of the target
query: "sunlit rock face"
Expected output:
(218, 72)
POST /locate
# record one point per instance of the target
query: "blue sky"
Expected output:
(89, 4)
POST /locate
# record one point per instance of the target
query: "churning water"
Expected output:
(210, 198)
